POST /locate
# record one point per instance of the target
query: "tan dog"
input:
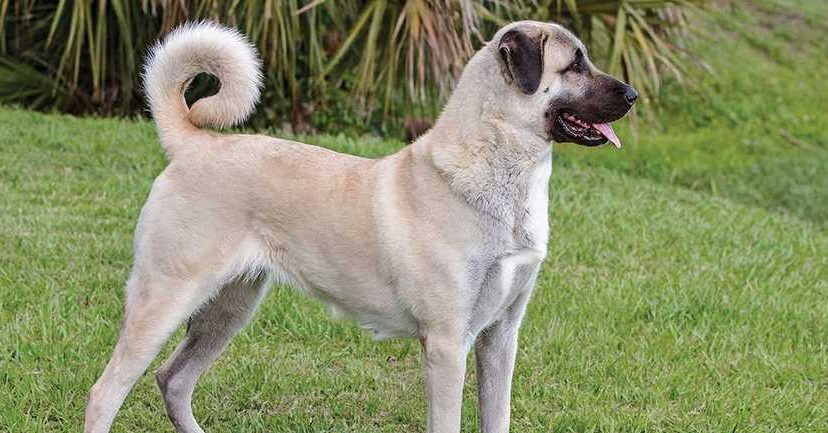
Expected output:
(441, 241)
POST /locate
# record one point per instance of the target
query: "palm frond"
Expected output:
(84, 56)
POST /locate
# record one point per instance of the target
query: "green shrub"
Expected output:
(357, 64)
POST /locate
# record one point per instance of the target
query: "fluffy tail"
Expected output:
(187, 51)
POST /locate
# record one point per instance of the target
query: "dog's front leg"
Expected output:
(495, 359)
(445, 369)
(495, 352)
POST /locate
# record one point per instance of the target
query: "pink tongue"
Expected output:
(606, 129)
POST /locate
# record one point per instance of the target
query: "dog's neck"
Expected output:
(484, 159)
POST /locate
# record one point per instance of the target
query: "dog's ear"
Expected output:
(523, 59)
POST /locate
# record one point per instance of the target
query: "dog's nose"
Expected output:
(630, 95)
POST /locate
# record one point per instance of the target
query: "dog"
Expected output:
(441, 241)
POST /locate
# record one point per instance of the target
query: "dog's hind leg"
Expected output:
(208, 332)
(155, 307)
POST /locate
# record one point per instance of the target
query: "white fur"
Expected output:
(538, 204)
(192, 49)
(537, 223)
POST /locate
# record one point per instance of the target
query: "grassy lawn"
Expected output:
(686, 288)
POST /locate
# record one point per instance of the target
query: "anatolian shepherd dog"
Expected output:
(441, 241)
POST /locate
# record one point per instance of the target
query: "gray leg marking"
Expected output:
(208, 332)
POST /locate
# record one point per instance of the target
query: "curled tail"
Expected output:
(187, 51)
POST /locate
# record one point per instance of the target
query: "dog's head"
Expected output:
(550, 86)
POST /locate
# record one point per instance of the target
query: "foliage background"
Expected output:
(354, 65)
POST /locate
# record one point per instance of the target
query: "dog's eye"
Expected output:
(577, 64)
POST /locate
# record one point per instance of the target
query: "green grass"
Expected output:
(756, 129)
(685, 289)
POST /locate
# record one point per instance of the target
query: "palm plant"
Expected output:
(83, 56)
(79, 57)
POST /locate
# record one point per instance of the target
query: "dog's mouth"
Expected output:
(569, 127)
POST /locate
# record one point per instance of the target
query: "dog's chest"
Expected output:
(533, 224)
(531, 230)
(516, 254)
